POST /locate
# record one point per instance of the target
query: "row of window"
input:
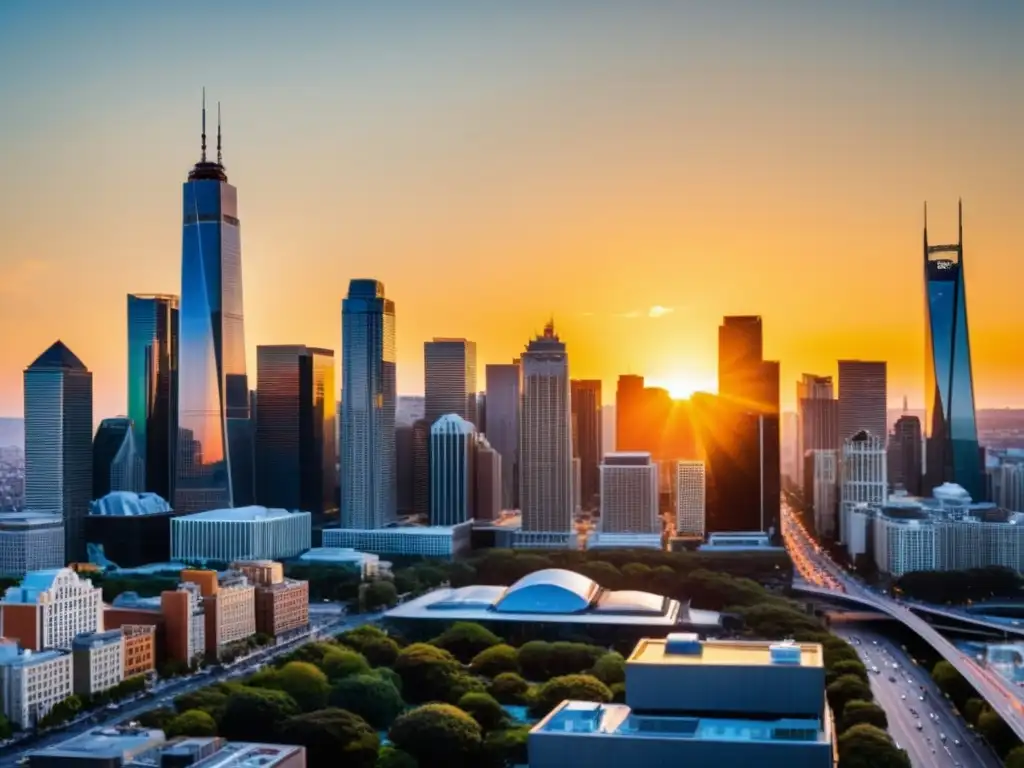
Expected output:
(204, 218)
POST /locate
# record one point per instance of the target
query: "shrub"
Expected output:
(492, 661)
(438, 736)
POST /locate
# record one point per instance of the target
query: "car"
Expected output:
(921, 697)
(956, 743)
(942, 737)
(920, 725)
(892, 679)
(903, 696)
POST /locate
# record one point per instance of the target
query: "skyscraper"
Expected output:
(585, 395)
(153, 386)
(862, 399)
(215, 452)
(58, 441)
(862, 476)
(629, 494)
(690, 498)
(450, 379)
(953, 454)
(295, 454)
(818, 417)
(368, 487)
(545, 439)
(452, 470)
(905, 454)
(629, 414)
(117, 463)
(503, 425)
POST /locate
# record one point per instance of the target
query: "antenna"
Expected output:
(202, 159)
(960, 223)
(220, 160)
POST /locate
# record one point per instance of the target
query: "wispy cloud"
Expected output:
(659, 311)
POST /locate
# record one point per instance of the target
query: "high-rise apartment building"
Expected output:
(545, 436)
(905, 455)
(153, 386)
(214, 462)
(585, 395)
(117, 463)
(953, 452)
(819, 417)
(58, 441)
(629, 494)
(452, 470)
(295, 454)
(862, 399)
(503, 425)
(821, 489)
(862, 476)
(449, 379)
(368, 487)
(488, 480)
(690, 498)
(404, 469)
(30, 541)
(421, 468)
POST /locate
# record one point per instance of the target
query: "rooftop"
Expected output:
(217, 753)
(108, 743)
(35, 583)
(128, 504)
(18, 520)
(30, 658)
(94, 639)
(58, 356)
(682, 649)
(242, 514)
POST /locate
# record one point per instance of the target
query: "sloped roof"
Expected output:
(58, 356)
(551, 590)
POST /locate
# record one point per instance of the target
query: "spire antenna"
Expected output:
(220, 159)
(202, 158)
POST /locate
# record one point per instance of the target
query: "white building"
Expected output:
(413, 540)
(230, 612)
(30, 541)
(98, 661)
(824, 484)
(368, 565)
(629, 494)
(244, 533)
(32, 683)
(691, 488)
(862, 475)
(49, 608)
(545, 437)
(452, 470)
(904, 543)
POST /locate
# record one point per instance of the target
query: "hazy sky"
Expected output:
(498, 163)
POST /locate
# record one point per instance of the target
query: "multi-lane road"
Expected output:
(919, 715)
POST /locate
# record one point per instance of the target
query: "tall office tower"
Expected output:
(545, 436)
(953, 454)
(214, 462)
(821, 481)
(585, 395)
(449, 367)
(647, 419)
(404, 483)
(153, 386)
(862, 475)
(452, 470)
(819, 416)
(421, 468)
(295, 454)
(690, 498)
(368, 407)
(481, 412)
(117, 464)
(58, 442)
(629, 494)
(503, 425)
(789, 447)
(862, 399)
(740, 352)
(488, 480)
(629, 419)
(905, 454)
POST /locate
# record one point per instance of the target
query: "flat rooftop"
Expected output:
(104, 743)
(240, 515)
(217, 753)
(723, 653)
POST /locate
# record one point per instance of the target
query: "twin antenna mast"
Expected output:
(220, 156)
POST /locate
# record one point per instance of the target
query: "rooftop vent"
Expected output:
(786, 652)
(683, 644)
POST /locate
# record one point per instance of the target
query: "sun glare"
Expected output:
(682, 385)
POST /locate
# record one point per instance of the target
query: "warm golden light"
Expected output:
(682, 385)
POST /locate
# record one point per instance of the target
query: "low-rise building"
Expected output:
(229, 604)
(106, 747)
(214, 752)
(31, 683)
(282, 605)
(49, 608)
(693, 702)
(98, 661)
(30, 541)
(368, 565)
(184, 622)
(139, 649)
(413, 540)
(244, 533)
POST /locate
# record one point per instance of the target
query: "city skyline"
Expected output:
(652, 266)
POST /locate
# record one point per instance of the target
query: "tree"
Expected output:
(610, 668)
(618, 692)
(539, 660)
(847, 667)
(311, 652)
(427, 673)
(333, 737)
(373, 643)
(390, 757)
(372, 698)
(483, 708)
(972, 708)
(194, 722)
(837, 650)
(341, 662)
(846, 688)
(509, 688)
(996, 732)
(865, 746)
(157, 718)
(558, 689)
(1014, 758)
(389, 675)
(306, 684)
(506, 748)
(438, 736)
(856, 712)
(380, 594)
(253, 714)
(6, 731)
(951, 682)
(465, 639)
(492, 661)
(64, 710)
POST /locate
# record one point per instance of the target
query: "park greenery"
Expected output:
(978, 714)
(74, 705)
(961, 587)
(467, 697)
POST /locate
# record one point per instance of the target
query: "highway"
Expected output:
(326, 620)
(905, 709)
(824, 577)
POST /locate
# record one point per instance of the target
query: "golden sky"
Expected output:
(495, 167)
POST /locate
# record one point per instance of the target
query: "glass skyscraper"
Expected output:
(153, 386)
(215, 452)
(368, 399)
(953, 454)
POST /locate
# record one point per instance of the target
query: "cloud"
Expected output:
(659, 311)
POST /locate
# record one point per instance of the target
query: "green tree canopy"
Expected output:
(846, 667)
(483, 708)
(194, 722)
(856, 712)
(305, 683)
(374, 699)
(844, 689)
(1014, 758)
(311, 652)
(465, 639)
(972, 708)
(540, 661)
(995, 731)
(62, 711)
(837, 650)
(427, 673)
(556, 690)
(506, 748)
(380, 594)
(865, 746)
(492, 661)
(6, 731)
(157, 718)
(509, 688)
(610, 668)
(333, 737)
(253, 714)
(379, 649)
(390, 757)
(389, 675)
(618, 692)
(438, 736)
(952, 682)
(341, 662)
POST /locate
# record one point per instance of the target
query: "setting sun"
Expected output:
(682, 385)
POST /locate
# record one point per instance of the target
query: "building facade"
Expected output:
(214, 462)
(862, 399)
(545, 436)
(418, 541)
(487, 481)
(368, 487)
(449, 367)
(58, 441)
(117, 464)
(139, 649)
(153, 386)
(690, 498)
(49, 608)
(906, 455)
(587, 437)
(131, 529)
(97, 662)
(248, 533)
(452, 470)
(629, 494)
(823, 470)
(862, 475)
(295, 451)
(282, 605)
(184, 618)
(503, 412)
(32, 683)
(818, 414)
(30, 541)
(229, 604)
